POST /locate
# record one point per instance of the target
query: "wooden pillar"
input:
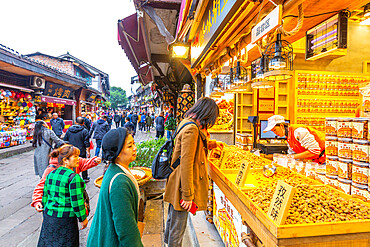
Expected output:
(199, 91)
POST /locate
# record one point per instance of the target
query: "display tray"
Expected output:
(271, 234)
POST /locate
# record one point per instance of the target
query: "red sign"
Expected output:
(57, 100)
(67, 124)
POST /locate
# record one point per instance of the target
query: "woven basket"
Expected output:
(141, 182)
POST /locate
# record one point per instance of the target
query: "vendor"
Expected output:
(304, 142)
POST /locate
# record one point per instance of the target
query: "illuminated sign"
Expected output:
(58, 91)
(269, 23)
(215, 18)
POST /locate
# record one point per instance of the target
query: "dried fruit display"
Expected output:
(232, 157)
(226, 114)
(313, 205)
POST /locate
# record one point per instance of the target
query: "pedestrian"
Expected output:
(153, 118)
(109, 120)
(43, 139)
(159, 125)
(139, 120)
(78, 136)
(57, 124)
(83, 165)
(130, 126)
(134, 118)
(169, 116)
(63, 202)
(143, 121)
(189, 181)
(40, 114)
(99, 128)
(115, 222)
(123, 118)
(148, 122)
(87, 120)
(117, 119)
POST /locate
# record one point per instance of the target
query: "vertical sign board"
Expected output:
(269, 23)
(242, 174)
(281, 202)
(227, 219)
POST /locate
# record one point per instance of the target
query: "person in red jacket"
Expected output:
(83, 165)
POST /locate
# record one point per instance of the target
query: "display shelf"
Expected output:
(245, 106)
(329, 97)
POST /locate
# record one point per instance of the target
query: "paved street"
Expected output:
(19, 222)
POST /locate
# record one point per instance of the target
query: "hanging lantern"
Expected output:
(279, 60)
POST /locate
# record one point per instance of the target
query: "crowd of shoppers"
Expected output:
(60, 193)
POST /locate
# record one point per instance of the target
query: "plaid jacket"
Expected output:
(63, 199)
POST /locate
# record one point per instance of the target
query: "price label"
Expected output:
(242, 174)
(281, 202)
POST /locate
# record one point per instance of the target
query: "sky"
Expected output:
(87, 29)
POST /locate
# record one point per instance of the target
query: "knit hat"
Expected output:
(113, 142)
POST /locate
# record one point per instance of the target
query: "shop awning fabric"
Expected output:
(131, 37)
(23, 89)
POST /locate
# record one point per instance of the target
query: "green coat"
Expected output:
(115, 219)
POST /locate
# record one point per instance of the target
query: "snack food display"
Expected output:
(225, 119)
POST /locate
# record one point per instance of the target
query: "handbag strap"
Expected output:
(46, 142)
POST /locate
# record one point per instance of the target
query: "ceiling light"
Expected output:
(180, 50)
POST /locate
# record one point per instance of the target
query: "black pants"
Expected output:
(159, 134)
(117, 124)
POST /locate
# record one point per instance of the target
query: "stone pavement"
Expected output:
(20, 224)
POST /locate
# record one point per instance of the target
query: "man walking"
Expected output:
(134, 119)
(100, 127)
(57, 124)
(159, 125)
(129, 126)
(143, 121)
(78, 136)
(87, 122)
(117, 119)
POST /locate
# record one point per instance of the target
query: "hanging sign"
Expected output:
(242, 174)
(59, 91)
(265, 105)
(269, 23)
(267, 93)
(281, 202)
(217, 14)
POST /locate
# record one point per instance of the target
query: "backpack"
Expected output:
(161, 166)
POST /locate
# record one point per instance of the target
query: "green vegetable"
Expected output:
(146, 151)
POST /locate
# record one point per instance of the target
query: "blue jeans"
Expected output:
(175, 226)
(98, 146)
(168, 134)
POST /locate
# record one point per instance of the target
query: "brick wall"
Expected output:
(65, 66)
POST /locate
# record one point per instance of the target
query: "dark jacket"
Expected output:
(87, 123)
(100, 128)
(129, 126)
(57, 126)
(109, 120)
(123, 120)
(134, 118)
(117, 118)
(159, 123)
(78, 136)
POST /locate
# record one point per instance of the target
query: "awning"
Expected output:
(23, 89)
(131, 37)
(86, 102)
(49, 99)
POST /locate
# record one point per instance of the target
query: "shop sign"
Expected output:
(281, 202)
(37, 99)
(265, 105)
(269, 23)
(59, 91)
(227, 219)
(57, 100)
(267, 93)
(242, 174)
(215, 17)
(92, 97)
(55, 105)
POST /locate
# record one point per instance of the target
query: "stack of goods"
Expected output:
(316, 122)
(347, 150)
(231, 157)
(244, 141)
(225, 119)
(12, 137)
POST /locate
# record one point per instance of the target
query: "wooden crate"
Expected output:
(351, 233)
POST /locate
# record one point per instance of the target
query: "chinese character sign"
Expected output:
(58, 91)
(281, 202)
(242, 174)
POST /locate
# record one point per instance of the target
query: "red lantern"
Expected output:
(29, 104)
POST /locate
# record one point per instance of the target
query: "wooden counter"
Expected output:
(328, 234)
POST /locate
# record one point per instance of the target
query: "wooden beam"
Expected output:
(172, 88)
(171, 5)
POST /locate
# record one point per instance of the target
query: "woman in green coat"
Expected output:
(116, 217)
(148, 122)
